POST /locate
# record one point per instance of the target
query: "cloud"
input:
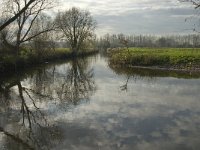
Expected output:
(137, 16)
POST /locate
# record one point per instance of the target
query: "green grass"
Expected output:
(162, 57)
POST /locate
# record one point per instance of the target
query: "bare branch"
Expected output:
(16, 15)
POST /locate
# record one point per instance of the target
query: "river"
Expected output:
(85, 104)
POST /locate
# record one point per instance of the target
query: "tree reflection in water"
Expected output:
(79, 84)
(124, 87)
(69, 85)
(148, 74)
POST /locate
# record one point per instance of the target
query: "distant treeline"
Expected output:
(121, 40)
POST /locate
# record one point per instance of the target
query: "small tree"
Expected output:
(76, 26)
(43, 42)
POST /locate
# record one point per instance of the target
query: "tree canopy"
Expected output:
(76, 26)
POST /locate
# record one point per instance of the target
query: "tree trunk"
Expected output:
(17, 50)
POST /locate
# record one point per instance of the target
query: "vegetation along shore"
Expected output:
(185, 59)
(32, 37)
(11, 63)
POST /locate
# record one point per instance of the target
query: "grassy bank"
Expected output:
(168, 58)
(11, 63)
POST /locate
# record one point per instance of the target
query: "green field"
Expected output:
(177, 58)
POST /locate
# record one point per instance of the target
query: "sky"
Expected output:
(155, 17)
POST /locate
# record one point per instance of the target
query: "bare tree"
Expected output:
(23, 26)
(77, 26)
(196, 3)
(43, 42)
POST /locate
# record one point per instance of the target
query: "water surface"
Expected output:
(84, 104)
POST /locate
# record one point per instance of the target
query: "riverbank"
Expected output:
(10, 63)
(152, 72)
(185, 59)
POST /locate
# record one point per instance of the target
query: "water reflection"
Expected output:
(71, 83)
(25, 114)
(149, 74)
(17, 115)
(152, 73)
(79, 83)
(59, 106)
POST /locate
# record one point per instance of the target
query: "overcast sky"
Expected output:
(138, 16)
